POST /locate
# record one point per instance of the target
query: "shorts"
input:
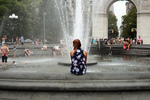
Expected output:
(110, 55)
(26, 53)
(4, 58)
(53, 50)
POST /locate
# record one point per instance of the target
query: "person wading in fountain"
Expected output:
(4, 51)
(110, 54)
(78, 59)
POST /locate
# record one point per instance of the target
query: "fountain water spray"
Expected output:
(82, 21)
(81, 24)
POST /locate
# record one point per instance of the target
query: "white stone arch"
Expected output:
(110, 2)
(100, 19)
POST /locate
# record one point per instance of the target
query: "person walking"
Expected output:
(17, 40)
(78, 59)
(12, 40)
(110, 54)
(22, 39)
(4, 51)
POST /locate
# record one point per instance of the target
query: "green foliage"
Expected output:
(25, 10)
(112, 25)
(129, 21)
(30, 19)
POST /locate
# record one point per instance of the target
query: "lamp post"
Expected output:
(13, 16)
(44, 24)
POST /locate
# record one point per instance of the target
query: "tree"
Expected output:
(112, 25)
(30, 19)
(129, 22)
(26, 11)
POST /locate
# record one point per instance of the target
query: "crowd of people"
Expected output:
(116, 41)
(127, 42)
(123, 40)
(4, 50)
(59, 49)
(20, 41)
(78, 56)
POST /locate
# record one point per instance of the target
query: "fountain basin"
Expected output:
(67, 63)
(69, 82)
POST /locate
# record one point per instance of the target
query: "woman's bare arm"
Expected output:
(85, 53)
(71, 55)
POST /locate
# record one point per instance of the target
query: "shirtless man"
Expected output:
(4, 51)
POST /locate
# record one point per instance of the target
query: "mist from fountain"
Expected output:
(81, 30)
(1, 27)
(78, 24)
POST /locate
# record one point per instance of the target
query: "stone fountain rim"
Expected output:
(65, 63)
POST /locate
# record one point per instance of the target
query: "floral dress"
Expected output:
(78, 65)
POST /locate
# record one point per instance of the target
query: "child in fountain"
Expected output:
(14, 62)
(17, 63)
(78, 59)
(15, 50)
(44, 47)
(110, 54)
(53, 52)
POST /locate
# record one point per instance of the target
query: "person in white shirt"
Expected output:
(57, 47)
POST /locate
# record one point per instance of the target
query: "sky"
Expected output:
(119, 10)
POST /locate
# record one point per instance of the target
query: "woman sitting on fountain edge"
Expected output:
(78, 59)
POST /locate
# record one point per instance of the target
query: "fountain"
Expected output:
(81, 30)
(81, 27)
(81, 23)
(53, 81)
